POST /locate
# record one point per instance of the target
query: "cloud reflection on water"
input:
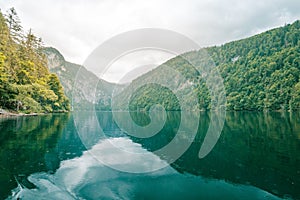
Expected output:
(86, 178)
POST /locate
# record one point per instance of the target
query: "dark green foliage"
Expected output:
(259, 73)
(26, 85)
(143, 98)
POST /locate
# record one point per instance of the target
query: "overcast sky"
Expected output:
(77, 27)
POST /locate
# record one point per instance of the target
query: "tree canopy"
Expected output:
(26, 85)
(259, 73)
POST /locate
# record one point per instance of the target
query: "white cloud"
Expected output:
(76, 27)
(134, 64)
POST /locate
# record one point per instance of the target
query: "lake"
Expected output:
(66, 156)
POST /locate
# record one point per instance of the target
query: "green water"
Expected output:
(256, 157)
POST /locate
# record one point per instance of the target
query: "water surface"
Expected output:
(256, 157)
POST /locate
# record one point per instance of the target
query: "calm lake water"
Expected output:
(256, 157)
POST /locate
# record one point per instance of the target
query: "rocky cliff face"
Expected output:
(84, 89)
(54, 57)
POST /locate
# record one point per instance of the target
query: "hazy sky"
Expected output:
(76, 27)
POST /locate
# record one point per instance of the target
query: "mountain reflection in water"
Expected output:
(256, 157)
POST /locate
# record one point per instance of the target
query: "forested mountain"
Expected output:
(81, 86)
(26, 85)
(259, 73)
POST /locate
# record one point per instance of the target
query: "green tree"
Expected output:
(26, 85)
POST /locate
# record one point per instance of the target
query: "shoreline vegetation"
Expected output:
(26, 84)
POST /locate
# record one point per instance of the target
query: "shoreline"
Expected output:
(9, 114)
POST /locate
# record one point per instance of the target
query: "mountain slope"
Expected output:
(83, 87)
(259, 73)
